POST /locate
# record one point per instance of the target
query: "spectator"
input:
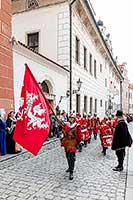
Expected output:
(3, 150)
(18, 147)
(11, 123)
(64, 117)
(121, 140)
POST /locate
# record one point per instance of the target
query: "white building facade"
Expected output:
(130, 99)
(68, 34)
(125, 88)
(52, 78)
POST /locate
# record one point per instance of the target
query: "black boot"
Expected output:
(68, 170)
(71, 176)
(95, 136)
(89, 140)
(104, 151)
(85, 143)
(80, 147)
(118, 169)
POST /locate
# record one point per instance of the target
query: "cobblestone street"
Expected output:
(44, 176)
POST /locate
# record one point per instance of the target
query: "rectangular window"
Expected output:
(101, 68)
(106, 104)
(95, 68)
(90, 63)
(77, 50)
(91, 104)
(33, 41)
(105, 82)
(101, 103)
(85, 58)
(85, 104)
(77, 103)
(95, 105)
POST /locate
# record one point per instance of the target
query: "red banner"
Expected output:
(33, 123)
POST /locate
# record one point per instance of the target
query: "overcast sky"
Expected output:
(117, 16)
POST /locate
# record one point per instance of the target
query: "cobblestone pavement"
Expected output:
(12, 159)
(44, 178)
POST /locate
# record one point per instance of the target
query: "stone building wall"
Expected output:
(6, 60)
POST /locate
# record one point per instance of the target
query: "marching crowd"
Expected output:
(75, 133)
(78, 130)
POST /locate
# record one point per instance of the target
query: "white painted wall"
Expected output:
(52, 24)
(114, 90)
(131, 101)
(125, 90)
(91, 87)
(42, 70)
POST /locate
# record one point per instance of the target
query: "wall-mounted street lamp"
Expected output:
(75, 91)
(79, 83)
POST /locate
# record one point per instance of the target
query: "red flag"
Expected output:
(33, 123)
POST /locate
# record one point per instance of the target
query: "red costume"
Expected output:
(89, 126)
(81, 135)
(115, 121)
(70, 139)
(84, 129)
(106, 135)
(95, 125)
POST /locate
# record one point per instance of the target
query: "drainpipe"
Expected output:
(70, 11)
(120, 94)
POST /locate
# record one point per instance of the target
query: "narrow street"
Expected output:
(44, 178)
(65, 61)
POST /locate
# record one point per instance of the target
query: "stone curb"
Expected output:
(11, 156)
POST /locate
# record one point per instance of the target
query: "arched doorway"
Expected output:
(48, 90)
(45, 87)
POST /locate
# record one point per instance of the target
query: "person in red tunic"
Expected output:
(103, 121)
(89, 126)
(81, 136)
(78, 117)
(95, 125)
(70, 143)
(105, 136)
(84, 130)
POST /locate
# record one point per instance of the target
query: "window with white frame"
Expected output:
(105, 82)
(77, 50)
(91, 104)
(90, 63)
(85, 104)
(33, 41)
(95, 68)
(95, 105)
(85, 58)
(101, 103)
(101, 68)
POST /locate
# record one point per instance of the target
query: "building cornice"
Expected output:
(19, 6)
(98, 36)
